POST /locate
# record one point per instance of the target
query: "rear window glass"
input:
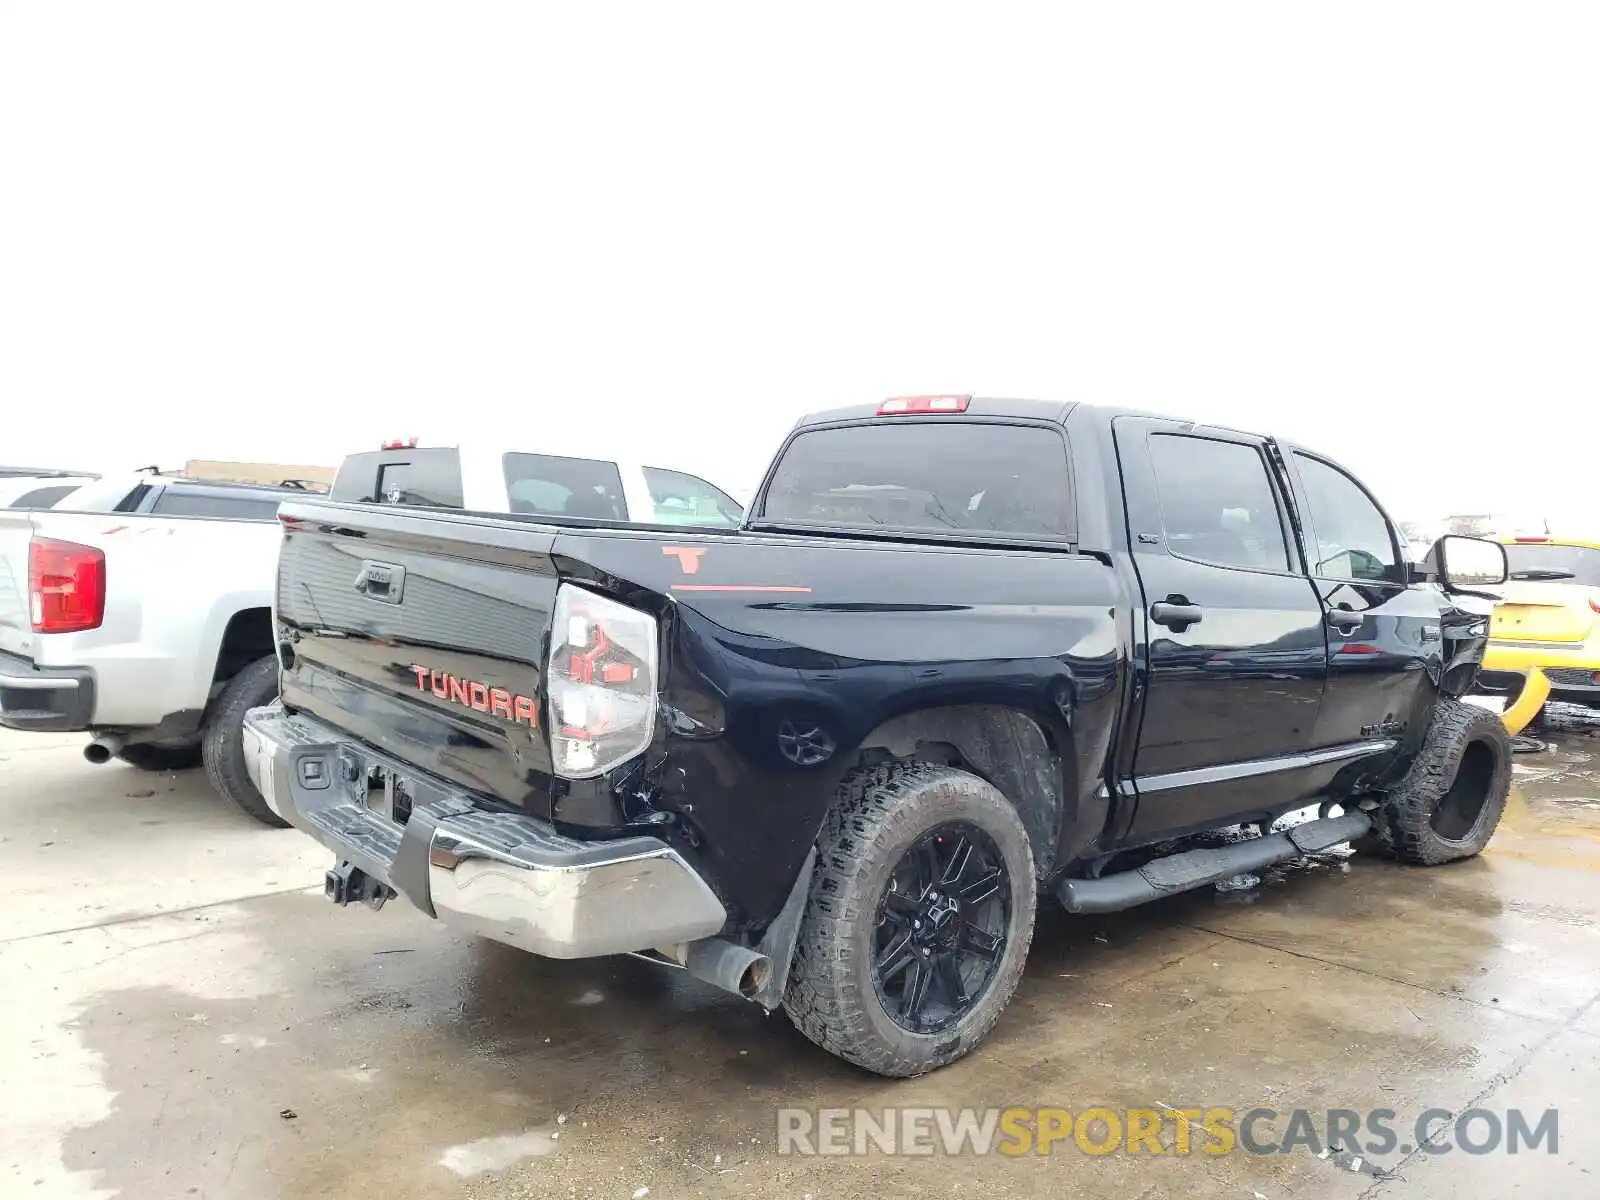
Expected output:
(552, 486)
(178, 502)
(1534, 561)
(945, 477)
(431, 478)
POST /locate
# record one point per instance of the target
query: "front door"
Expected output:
(1234, 646)
(1385, 649)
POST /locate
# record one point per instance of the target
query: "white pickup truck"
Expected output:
(549, 482)
(140, 611)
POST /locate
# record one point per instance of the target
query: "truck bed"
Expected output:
(769, 642)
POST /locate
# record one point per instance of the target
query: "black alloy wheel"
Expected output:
(918, 918)
(941, 931)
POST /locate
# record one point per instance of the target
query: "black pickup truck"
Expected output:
(962, 653)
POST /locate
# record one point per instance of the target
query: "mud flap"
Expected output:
(778, 942)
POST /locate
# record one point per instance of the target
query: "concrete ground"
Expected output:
(187, 1017)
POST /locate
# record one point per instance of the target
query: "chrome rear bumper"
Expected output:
(502, 875)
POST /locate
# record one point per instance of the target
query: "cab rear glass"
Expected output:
(425, 477)
(1554, 562)
(938, 478)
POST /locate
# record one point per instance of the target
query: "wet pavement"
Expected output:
(187, 1017)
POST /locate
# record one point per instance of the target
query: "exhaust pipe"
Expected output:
(104, 748)
(729, 966)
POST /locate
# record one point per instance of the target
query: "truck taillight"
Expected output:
(66, 586)
(601, 683)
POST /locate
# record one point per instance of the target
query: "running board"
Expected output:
(1196, 868)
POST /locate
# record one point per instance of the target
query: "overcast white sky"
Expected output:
(284, 231)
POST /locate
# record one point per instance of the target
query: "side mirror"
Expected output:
(1467, 562)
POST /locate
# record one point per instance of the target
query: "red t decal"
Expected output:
(688, 557)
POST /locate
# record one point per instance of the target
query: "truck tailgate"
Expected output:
(16, 624)
(423, 637)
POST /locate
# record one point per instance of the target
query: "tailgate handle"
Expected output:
(381, 581)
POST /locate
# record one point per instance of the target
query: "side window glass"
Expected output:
(179, 502)
(1217, 503)
(556, 486)
(1352, 538)
(681, 499)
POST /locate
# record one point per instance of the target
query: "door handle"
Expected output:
(1344, 620)
(1176, 613)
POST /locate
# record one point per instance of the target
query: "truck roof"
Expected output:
(1001, 408)
(977, 406)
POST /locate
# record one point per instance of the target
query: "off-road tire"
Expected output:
(1465, 760)
(223, 742)
(152, 756)
(876, 815)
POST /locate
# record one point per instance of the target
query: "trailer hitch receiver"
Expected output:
(349, 884)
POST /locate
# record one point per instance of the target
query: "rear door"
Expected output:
(1233, 634)
(1384, 636)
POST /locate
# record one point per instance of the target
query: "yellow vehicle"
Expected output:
(1544, 636)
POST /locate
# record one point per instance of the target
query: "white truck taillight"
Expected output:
(66, 586)
(601, 683)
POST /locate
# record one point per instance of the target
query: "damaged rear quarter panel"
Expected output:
(771, 696)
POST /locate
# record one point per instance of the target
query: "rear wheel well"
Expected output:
(247, 638)
(1005, 747)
